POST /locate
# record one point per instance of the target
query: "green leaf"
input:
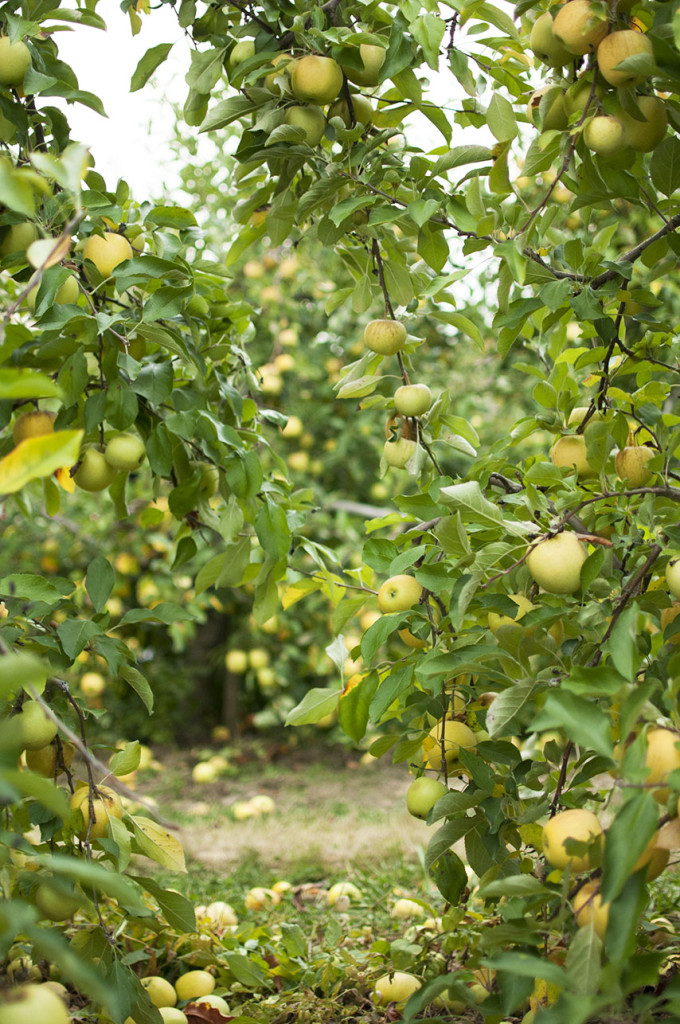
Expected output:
(177, 910)
(126, 760)
(622, 644)
(134, 678)
(151, 60)
(316, 704)
(16, 384)
(75, 635)
(21, 670)
(15, 190)
(27, 587)
(37, 457)
(91, 873)
(627, 837)
(508, 709)
(665, 166)
(429, 31)
(585, 723)
(154, 841)
(272, 529)
(99, 581)
(501, 119)
(450, 876)
(584, 959)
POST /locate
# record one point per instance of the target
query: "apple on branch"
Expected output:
(577, 824)
(399, 593)
(555, 563)
(386, 337)
(316, 79)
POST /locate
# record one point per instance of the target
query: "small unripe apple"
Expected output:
(92, 684)
(35, 728)
(617, 47)
(644, 136)
(422, 795)
(210, 480)
(160, 991)
(94, 473)
(544, 44)
(316, 79)
(673, 577)
(399, 593)
(396, 987)
(15, 60)
(386, 337)
(236, 661)
(107, 252)
(361, 108)
(405, 908)
(579, 27)
(575, 99)
(571, 451)
(399, 453)
(412, 399)
(194, 984)
(555, 564)
(588, 906)
(18, 237)
(32, 424)
(56, 904)
(311, 119)
(603, 133)
(577, 824)
(372, 58)
(243, 50)
(125, 451)
(631, 465)
(456, 735)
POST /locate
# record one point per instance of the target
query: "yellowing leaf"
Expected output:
(38, 457)
(296, 591)
(157, 843)
(46, 252)
(65, 480)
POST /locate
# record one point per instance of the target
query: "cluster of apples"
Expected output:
(387, 337)
(193, 989)
(316, 81)
(581, 28)
(631, 462)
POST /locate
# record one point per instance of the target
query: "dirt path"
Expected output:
(330, 812)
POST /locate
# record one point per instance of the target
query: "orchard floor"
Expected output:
(331, 810)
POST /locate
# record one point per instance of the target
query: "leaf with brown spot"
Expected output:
(200, 1013)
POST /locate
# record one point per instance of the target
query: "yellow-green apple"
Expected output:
(588, 906)
(107, 252)
(387, 337)
(171, 1015)
(221, 915)
(603, 133)
(15, 60)
(405, 908)
(45, 760)
(422, 795)
(56, 904)
(160, 991)
(662, 758)
(579, 825)
(263, 804)
(456, 735)
(555, 563)
(347, 889)
(673, 576)
(214, 1002)
(30, 1004)
(524, 605)
(104, 806)
(236, 661)
(579, 27)
(258, 898)
(396, 987)
(92, 684)
(372, 58)
(399, 453)
(575, 101)
(125, 451)
(258, 657)
(18, 237)
(631, 465)
(68, 293)
(35, 728)
(544, 44)
(194, 984)
(644, 136)
(243, 50)
(409, 638)
(316, 79)
(312, 121)
(94, 473)
(554, 112)
(280, 76)
(617, 47)
(32, 424)
(570, 451)
(399, 593)
(578, 414)
(204, 772)
(22, 970)
(653, 858)
(361, 109)
(412, 399)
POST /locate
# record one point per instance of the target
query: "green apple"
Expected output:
(579, 27)
(456, 735)
(56, 903)
(372, 58)
(571, 451)
(35, 728)
(210, 480)
(32, 1004)
(316, 79)
(399, 453)
(107, 252)
(194, 984)
(171, 1015)
(67, 293)
(644, 136)
(94, 473)
(160, 991)
(554, 111)
(45, 760)
(423, 794)
(361, 108)
(215, 1002)
(387, 337)
(604, 133)
(280, 77)
(412, 399)
(18, 237)
(497, 620)
(673, 576)
(631, 465)
(576, 98)
(588, 906)
(396, 987)
(244, 50)
(399, 593)
(555, 563)
(580, 825)
(32, 424)
(617, 47)
(544, 44)
(15, 60)
(125, 451)
(311, 119)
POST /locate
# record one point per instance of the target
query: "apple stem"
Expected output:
(378, 264)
